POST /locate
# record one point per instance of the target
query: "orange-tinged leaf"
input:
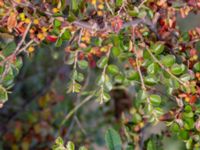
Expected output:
(193, 99)
(1, 3)
(20, 27)
(12, 21)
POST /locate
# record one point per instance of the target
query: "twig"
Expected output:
(13, 54)
(94, 26)
(76, 108)
(80, 125)
(80, 35)
(6, 70)
(70, 129)
(144, 1)
(166, 69)
(23, 38)
(74, 68)
(140, 74)
(18, 50)
(25, 47)
(142, 80)
(133, 23)
(144, 89)
(108, 6)
(103, 75)
(78, 101)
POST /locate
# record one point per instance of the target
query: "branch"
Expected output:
(16, 53)
(166, 69)
(134, 22)
(23, 38)
(18, 50)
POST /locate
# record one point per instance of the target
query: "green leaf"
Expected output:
(157, 48)
(188, 108)
(3, 94)
(133, 13)
(102, 62)
(150, 13)
(57, 23)
(100, 80)
(177, 69)
(185, 77)
(150, 80)
(59, 42)
(66, 35)
(130, 147)
(168, 60)
(71, 17)
(185, 36)
(8, 80)
(10, 47)
(95, 41)
(189, 123)
(175, 127)
(152, 68)
(70, 60)
(108, 84)
(113, 69)
(115, 51)
(137, 118)
(189, 143)
(158, 111)
(106, 96)
(70, 146)
(155, 99)
(18, 63)
(59, 141)
(74, 5)
(151, 145)
(83, 64)
(132, 75)
(183, 134)
(82, 148)
(197, 66)
(119, 78)
(188, 114)
(79, 77)
(119, 3)
(74, 87)
(113, 140)
(142, 94)
(142, 13)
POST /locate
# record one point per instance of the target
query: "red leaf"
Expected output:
(51, 38)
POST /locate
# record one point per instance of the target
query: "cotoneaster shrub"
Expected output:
(132, 43)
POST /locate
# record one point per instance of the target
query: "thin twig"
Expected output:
(23, 38)
(18, 50)
(95, 27)
(76, 108)
(74, 68)
(80, 125)
(78, 101)
(109, 8)
(140, 74)
(142, 3)
(103, 75)
(166, 69)
(144, 89)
